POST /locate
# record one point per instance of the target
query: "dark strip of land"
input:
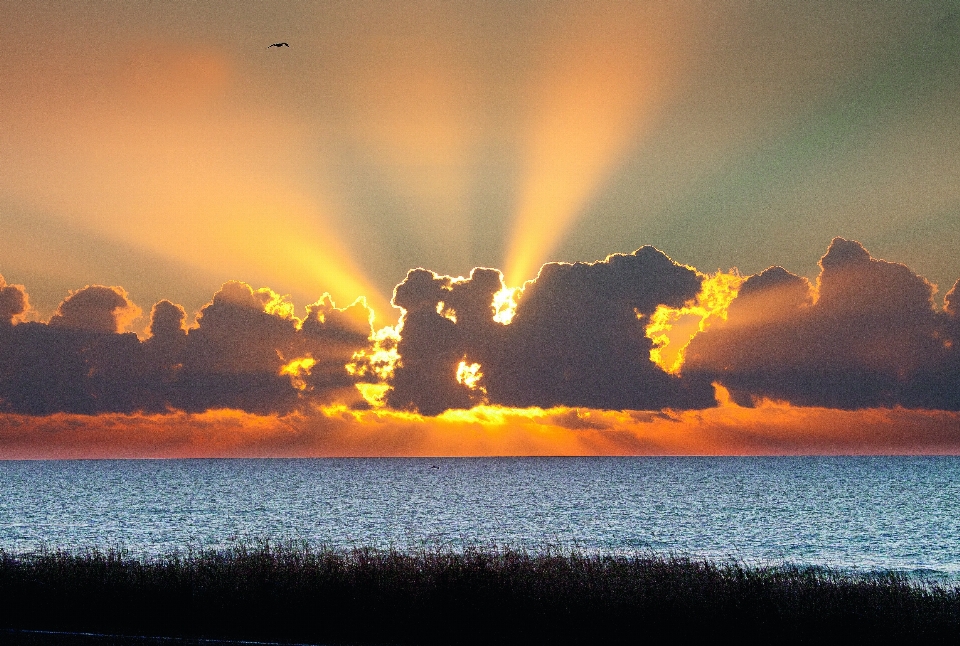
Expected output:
(296, 594)
(11, 637)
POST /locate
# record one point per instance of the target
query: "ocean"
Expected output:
(860, 513)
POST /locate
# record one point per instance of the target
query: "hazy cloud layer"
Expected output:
(767, 429)
(869, 333)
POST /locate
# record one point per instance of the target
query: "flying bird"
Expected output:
(278, 45)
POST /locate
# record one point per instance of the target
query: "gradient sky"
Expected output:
(163, 147)
(160, 146)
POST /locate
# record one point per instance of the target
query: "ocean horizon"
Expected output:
(851, 513)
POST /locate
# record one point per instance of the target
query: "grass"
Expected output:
(291, 592)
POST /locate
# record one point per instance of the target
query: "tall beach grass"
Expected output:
(277, 592)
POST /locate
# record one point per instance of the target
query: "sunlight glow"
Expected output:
(469, 375)
(722, 395)
(374, 394)
(377, 362)
(446, 312)
(767, 428)
(492, 415)
(210, 184)
(277, 305)
(672, 329)
(404, 97)
(505, 305)
(296, 369)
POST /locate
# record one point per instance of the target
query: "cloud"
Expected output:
(167, 321)
(237, 356)
(96, 308)
(49, 369)
(867, 334)
(13, 302)
(442, 318)
(79, 363)
(331, 336)
(576, 338)
(233, 357)
(249, 352)
(951, 302)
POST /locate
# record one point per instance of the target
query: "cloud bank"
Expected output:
(866, 334)
(247, 351)
(576, 338)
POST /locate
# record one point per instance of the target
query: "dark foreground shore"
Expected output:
(12, 637)
(499, 596)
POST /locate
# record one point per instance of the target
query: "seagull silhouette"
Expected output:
(278, 45)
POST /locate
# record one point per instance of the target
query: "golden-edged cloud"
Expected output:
(672, 328)
(771, 363)
(869, 333)
(14, 302)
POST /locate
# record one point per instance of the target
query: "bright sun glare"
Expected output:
(672, 329)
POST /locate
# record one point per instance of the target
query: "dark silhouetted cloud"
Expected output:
(248, 351)
(13, 302)
(235, 357)
(330, 337)
(96, 309)
(46, 369)
(432, 341)
(868, 334)
(79, 363)
(577, 338)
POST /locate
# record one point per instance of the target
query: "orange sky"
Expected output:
(162, 148)
(165, 149)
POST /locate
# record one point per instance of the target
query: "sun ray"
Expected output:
(601, 80)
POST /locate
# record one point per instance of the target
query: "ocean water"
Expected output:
(866, 513)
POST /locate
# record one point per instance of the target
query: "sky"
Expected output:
(188, 216)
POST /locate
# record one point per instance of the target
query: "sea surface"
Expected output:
(863, 513)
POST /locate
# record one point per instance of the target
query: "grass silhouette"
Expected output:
(293, 592)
